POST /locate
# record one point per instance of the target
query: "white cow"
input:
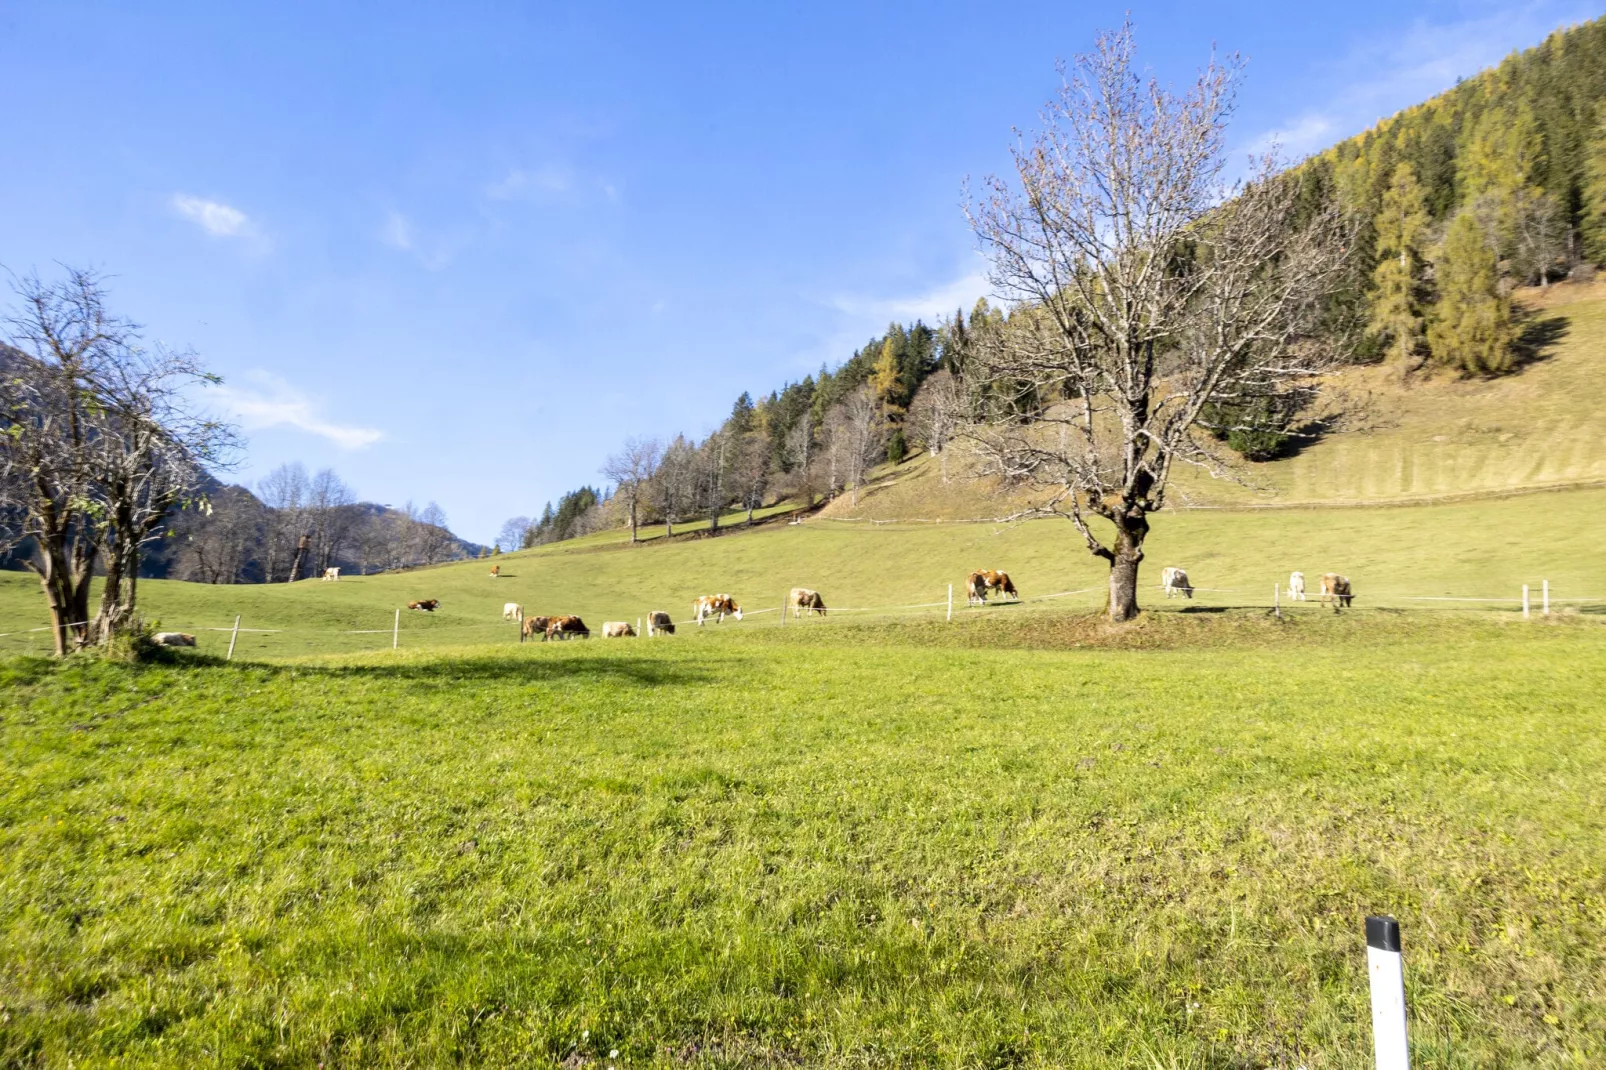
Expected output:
(1296, 587)
(173, 639)
(618, 629)
(1175, 581)
(331, 574)
(512, 611)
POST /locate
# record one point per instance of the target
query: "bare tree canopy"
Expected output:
(631, 470)
(1145, 294)
(101, 441)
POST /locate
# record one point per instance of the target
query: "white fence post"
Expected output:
(1277, 600)
(1386, 967)
(1547, 598)
(395, 632)
(950, 603)
(1525, 601)
(639, 633)
(233, 637)
(783, 612)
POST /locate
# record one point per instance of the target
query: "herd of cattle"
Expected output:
(1335, 591)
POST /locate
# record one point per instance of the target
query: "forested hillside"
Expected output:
(1454, 205)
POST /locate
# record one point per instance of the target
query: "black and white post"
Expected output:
(1386, 968)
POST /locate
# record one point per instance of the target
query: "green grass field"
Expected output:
(1025, 837)
(868, 845)
(1486, 548)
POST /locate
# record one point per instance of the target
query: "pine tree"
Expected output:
(1593, 209)
(1472, 329)
(1396, 301)
(884, 379)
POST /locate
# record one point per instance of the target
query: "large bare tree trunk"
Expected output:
(1127, 555)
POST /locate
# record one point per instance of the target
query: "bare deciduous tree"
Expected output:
(1142, 289)
(284, 491)
(330, 516)
(933, 414)
(631, 470)
(98, 444)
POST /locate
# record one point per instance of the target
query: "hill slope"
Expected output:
(1442, 437)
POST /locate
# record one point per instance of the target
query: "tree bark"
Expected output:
(1125, 559)
(632, 518)
(301, 554)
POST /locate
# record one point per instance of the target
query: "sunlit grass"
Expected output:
(776, 848)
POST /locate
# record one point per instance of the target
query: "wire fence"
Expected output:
(1534, 600)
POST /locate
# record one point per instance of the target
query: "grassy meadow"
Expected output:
(863, 845)
(1394, 555)
(1023, 838)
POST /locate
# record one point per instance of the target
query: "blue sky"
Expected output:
(460, 251)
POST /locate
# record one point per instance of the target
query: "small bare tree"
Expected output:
(285, 491)
(631, 470)
(1142, 289)
(331, 517)
(97, 444)
(800, 453)
(933, 414)
(862, 428)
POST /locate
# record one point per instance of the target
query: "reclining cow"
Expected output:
(532, 627)
(710, 605)
(803, 600)
(659, 623)
(427, 605)
(1175, 582)
(617, 629)
(173, 639)
(567, 627)
(1336, 589)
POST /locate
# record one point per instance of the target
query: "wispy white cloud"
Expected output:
(397, 232)
(524, 182)
(216, 218)
(278, 404)
(931, 305)
(1381, 77)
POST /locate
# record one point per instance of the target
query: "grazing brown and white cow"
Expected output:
(1296, 587)
(331, 574)
(173, 639)
(428, 605)
(512, 611)
(496, 570)
(803, 600)
(532, 627)
(984, 580)
(710, 605)
(618, 629)
(567, 627)
(660, 623)
(1336, 589)
(1175, 581)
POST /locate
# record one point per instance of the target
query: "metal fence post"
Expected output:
(1386, 968)
(395, 632)
(1525, 601)
(950, 603)
(1547, 598)
(235, 635)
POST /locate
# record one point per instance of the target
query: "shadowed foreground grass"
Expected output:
(837, 848)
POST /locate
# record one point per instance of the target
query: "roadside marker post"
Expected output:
(1525, 601)
(395, 632)
(1547, 598)
(233, 637)
(950, 603)
(1386, 968)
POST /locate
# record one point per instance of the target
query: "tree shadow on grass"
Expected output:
(1536, 338)
(436, 671)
